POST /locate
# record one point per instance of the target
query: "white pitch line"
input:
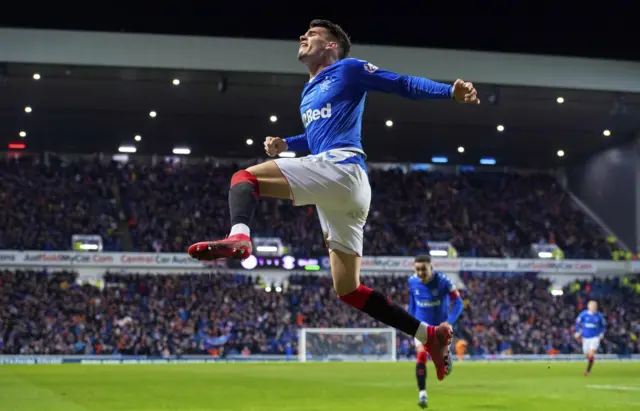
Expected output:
(614, 387)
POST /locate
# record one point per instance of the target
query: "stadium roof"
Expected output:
(96, 109)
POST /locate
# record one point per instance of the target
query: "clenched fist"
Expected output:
(464, 92)
(274, 146)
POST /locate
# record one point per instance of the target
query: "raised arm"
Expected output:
(373, 78)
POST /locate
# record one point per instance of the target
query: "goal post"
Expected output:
(347, 344)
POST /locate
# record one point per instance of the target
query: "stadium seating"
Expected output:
(165, 207)
(222, 314)
(45, 202)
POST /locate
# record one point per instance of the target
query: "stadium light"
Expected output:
(560, 153)
(36, 76)
(181, 151)
(152, 114)
(249, 141)
(287, 154)
(22, 134)
(500, 128)
(606, 133)
(488, 161)
(460, 149)
(560, 100)
(439, 159)
(127, 149)
(176, 82)
(28, 109)
(389, 123)
(138, 137)
(273, 119)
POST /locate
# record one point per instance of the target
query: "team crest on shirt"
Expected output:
(326, 84)
(370, 67)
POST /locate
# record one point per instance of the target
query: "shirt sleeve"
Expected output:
(412, 301)
(298, 143)
(372, 78)
(448, 284)
(579, 323)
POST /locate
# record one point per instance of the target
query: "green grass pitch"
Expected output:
(322, 387)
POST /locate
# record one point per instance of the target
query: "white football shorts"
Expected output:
(340, 192)
(590, 344)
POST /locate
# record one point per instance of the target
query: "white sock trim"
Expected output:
(421, 334)
(423, 393)
(240, 229)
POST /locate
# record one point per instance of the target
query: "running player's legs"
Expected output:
(590, 348)
(421, 374)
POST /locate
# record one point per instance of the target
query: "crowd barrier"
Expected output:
(197, 359)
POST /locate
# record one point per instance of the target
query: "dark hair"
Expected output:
(338, 35)
(423, 258)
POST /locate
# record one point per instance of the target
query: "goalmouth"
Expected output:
(347, 344)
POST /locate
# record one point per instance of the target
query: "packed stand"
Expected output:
(222, 314)
(45, 201)
(170, 205)
(518, 315)
(141, 315)
(482, 214)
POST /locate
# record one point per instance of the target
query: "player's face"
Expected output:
(314, 44)
(424, 271)
(592, 306)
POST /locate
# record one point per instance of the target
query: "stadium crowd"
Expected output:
(168, 206)
(224, 314)
(45, 203)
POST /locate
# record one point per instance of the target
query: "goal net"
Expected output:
(347, 344)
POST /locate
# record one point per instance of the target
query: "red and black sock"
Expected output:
(382, 309)
(243, 197)
(421, 370)
(591, 360)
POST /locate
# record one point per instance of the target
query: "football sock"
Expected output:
(421, 371)
(243, 200)
(591, 360)
(382, 309)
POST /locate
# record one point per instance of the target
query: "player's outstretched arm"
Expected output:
(372, 78)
